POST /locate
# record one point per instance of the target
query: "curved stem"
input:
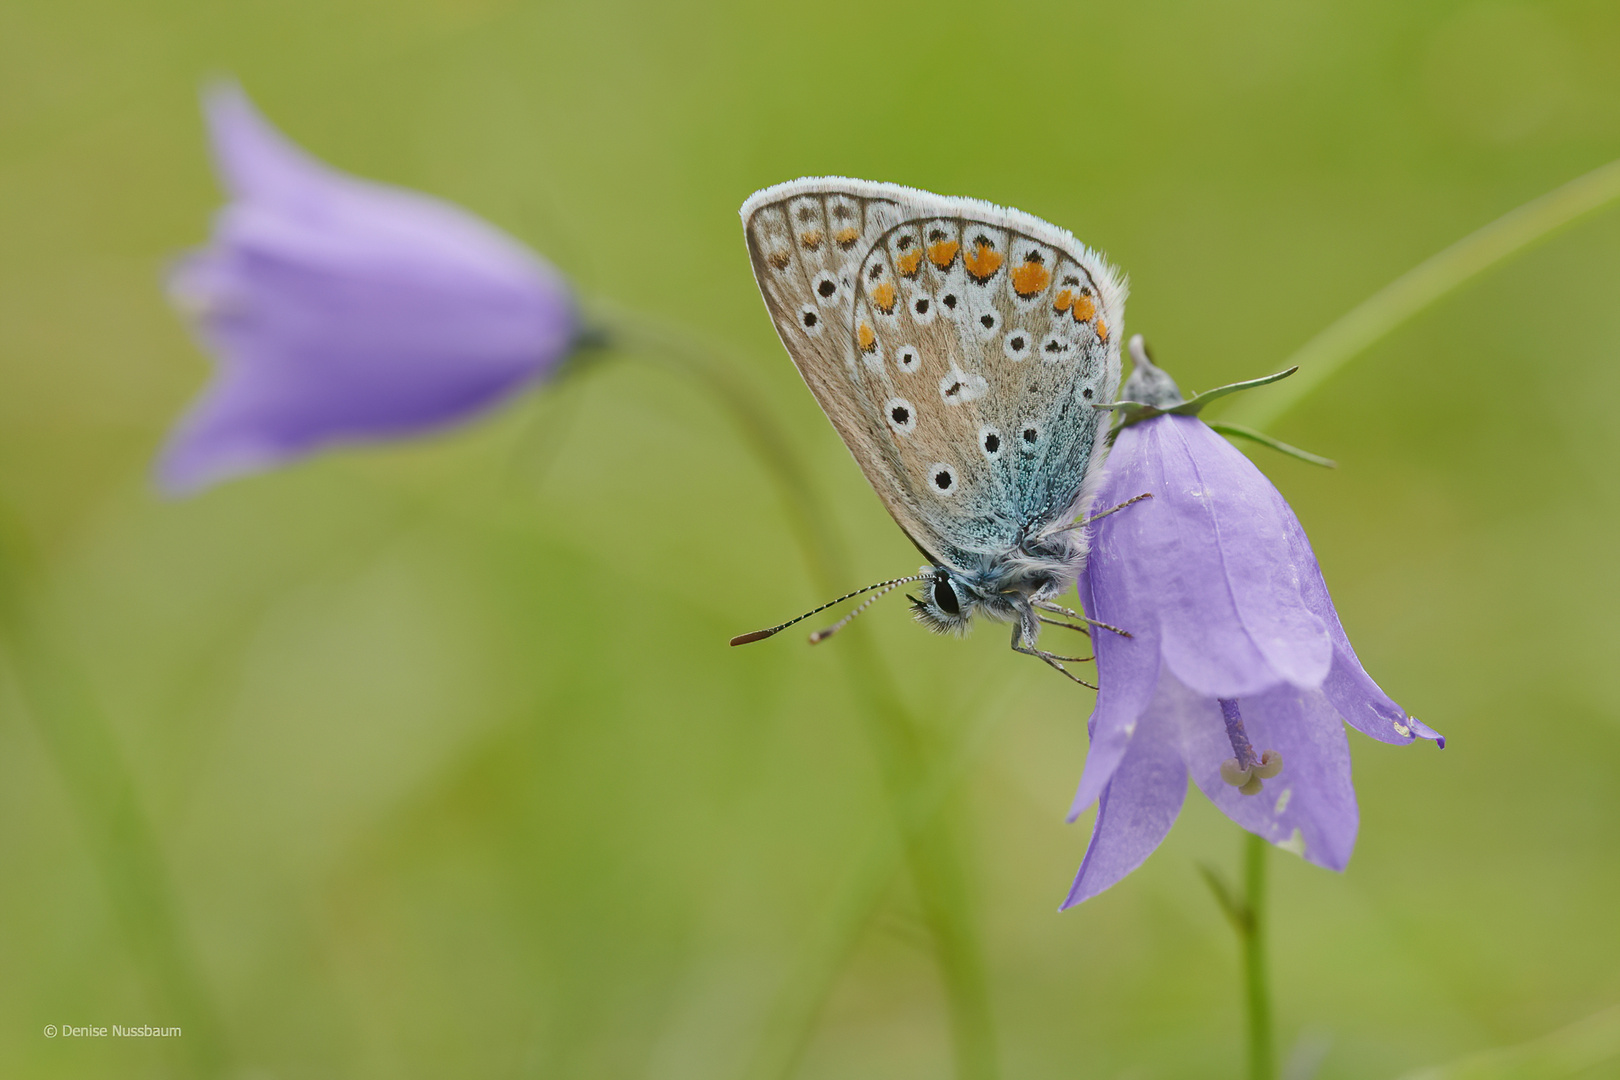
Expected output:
(1257, 992)
(930, 852)
(1387, 309)
(858, 898)
(820, 545)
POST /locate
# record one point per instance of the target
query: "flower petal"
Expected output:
(1310, 807)
(1233, 621)
(1358, 699)
(1127, 671)
(1137, 808)
(254, 159)
(263, 169)
(227, 432)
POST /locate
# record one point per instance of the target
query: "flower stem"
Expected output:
(1387, 309)
(789, 1029)
(931, 852)
(1257, 992)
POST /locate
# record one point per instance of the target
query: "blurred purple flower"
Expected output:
(1237, 669)
(344, 311)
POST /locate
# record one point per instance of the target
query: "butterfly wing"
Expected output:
(959, 349)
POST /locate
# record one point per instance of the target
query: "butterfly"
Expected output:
(962, 351)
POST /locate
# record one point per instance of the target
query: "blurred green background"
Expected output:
(431, 760)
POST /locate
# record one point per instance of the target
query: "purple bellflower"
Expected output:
(1236, 671)
(344, 311)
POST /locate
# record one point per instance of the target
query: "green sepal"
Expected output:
(1134, 412)
(1261, 437)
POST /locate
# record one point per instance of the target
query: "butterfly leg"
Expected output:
(1117, 509)
(1075, 526)
(1051, 659)
(1064, 625)
(1058, 609)
(1029, 629)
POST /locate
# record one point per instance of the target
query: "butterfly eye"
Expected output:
(945, 596)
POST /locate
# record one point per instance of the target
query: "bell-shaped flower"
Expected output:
(1236, 671)
(344, 311)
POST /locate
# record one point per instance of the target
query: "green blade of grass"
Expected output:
(1323, 355)
(1586, 1048)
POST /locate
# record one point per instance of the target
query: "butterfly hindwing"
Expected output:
(958, 348)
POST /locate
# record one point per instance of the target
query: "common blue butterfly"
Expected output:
(961, 350)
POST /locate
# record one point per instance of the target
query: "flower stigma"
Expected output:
(1245, 771)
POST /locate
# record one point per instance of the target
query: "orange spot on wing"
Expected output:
(983, 262)
(867, 338)
(846, 237)
(1102, 330)
(909, 263)
(811, 238)
(779, 259)
(1030, 279)
(1061, 302)
(1083, 308)
(883, 296)
(943, 253)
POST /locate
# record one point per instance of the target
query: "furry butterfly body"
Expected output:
(961, 350)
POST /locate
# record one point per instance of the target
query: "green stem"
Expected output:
(1323, 355)
(792, 1023)
(932, 857)
(120, 838)
(1262, 1062)
(931, 853)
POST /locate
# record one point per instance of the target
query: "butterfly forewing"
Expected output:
(959, 349)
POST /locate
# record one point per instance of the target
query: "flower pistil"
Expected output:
(1247, 769)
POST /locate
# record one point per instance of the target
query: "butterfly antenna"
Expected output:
(886, 586)
(883, 590)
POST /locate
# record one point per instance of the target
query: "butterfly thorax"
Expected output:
(1004, 586)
